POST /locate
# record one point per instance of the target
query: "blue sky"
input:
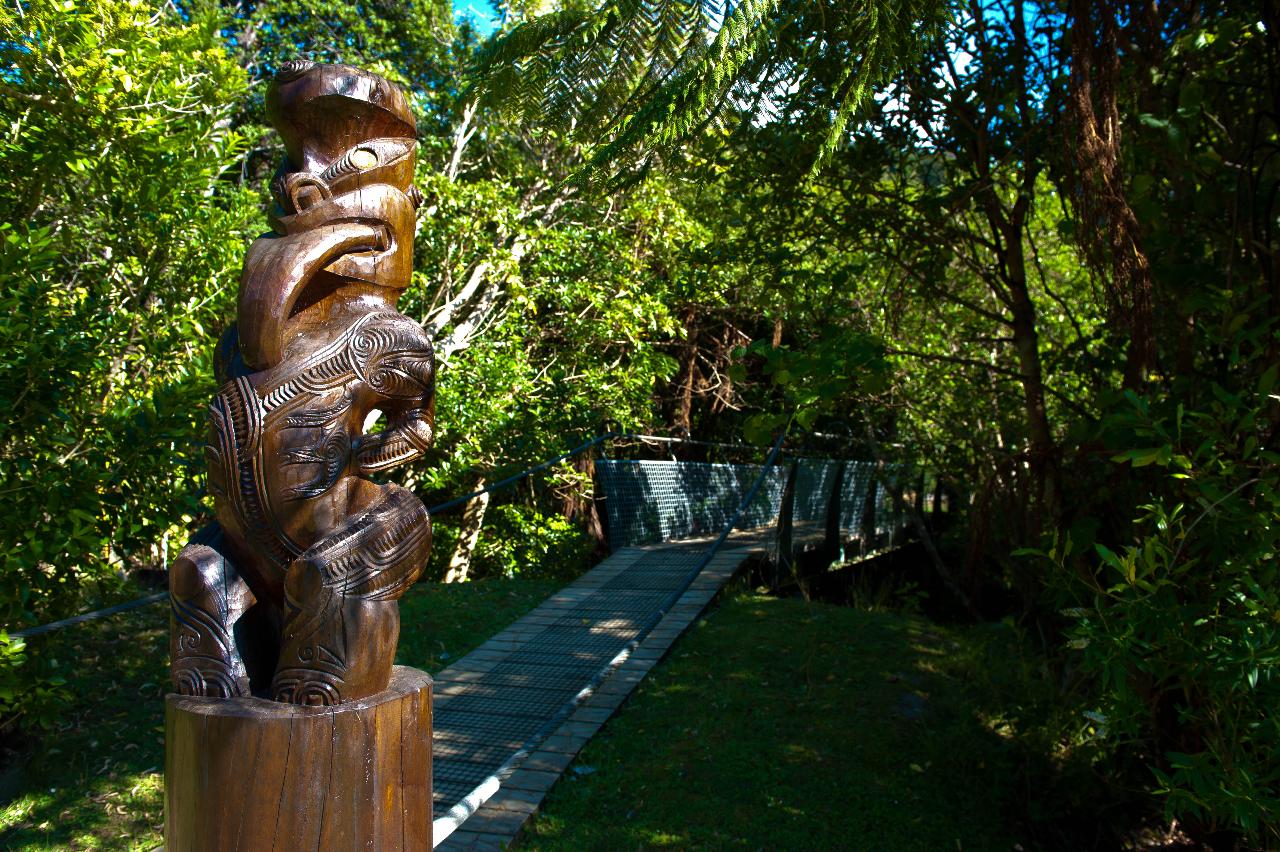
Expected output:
(481, 12)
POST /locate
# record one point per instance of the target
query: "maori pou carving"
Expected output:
(292, 592)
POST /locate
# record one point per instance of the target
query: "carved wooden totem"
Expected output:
(291, 594)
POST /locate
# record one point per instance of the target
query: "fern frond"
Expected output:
(635, 78)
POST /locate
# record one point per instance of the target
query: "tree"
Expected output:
(1142, 452)
(121, 246)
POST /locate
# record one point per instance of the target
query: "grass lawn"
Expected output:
(95, 781)
(773, 724)
(779, 724)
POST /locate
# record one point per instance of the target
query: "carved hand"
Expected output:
(408, 435)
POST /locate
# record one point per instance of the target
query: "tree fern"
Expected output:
(633, 78)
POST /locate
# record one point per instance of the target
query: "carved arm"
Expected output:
(408, 435)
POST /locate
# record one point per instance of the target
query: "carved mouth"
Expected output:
(278, 269)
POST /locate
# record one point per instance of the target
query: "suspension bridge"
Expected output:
(510, 716)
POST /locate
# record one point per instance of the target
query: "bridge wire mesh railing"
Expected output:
(649, 502)
(843, 505)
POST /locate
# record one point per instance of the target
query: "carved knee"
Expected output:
(342, 620)
(207, 597)
(347, 655)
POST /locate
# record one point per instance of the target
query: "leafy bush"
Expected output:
(1181, 628)
(520, 539)
(119, 252)
(35, 699)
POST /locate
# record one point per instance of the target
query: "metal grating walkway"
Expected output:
(514, 696)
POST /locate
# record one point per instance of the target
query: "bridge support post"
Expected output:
(785, 562)
(835, 505)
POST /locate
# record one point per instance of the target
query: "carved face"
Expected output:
(344, 196)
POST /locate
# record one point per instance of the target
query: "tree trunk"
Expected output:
(688, 373)
(1041, 446)
(1026, 341)
(577, 504)
(1109, 231)
(468, 535)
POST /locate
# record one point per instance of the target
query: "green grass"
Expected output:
(774, 724)
(781, 725)
(94, 782)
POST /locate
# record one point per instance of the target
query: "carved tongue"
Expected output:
(276, 271)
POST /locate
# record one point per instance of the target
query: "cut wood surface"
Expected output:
(253, 774)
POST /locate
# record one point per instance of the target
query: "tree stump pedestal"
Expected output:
(253, 774)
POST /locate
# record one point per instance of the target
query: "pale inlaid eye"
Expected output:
(364, 159)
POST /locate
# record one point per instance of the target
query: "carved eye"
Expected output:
(351, 163)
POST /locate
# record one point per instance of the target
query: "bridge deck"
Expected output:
(515, 712)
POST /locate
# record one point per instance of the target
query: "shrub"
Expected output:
(1181, 627)
(34, 699)
(519, 539)
(120, 251)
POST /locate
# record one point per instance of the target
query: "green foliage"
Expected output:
(1179, 615)
(521, 540)
(634, 78)
(1181, 628)
(819, 380)
(33, 701)
(120, 254)
(576, 337)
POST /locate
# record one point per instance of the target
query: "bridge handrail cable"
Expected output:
(439, 508)
(146, 600)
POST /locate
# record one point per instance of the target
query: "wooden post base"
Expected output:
(253, 774)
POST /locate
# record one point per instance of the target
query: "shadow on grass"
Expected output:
(94, 781)
(778, 724)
